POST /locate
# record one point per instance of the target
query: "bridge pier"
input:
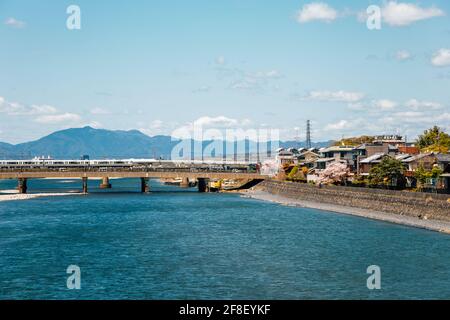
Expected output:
(105, 183)
(85, 184)
(202, 184)
(184, 183)
(145, 186)
(22, 185)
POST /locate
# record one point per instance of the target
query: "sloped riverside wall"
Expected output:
(414, 204)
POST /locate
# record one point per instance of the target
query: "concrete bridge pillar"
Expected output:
(22, 185)
(184, 183)
(85, 184)
(145, 187)
(105, 183)
(202, 184)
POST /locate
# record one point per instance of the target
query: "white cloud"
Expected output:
(384, 104)
(405, 115)
(441, 58)
(41, 109)
(416, 104)
(94, 124)
(206, 123)
(443, 117)
(17, 109)
(156, 127)
(342, 124)
(388, 105)
(336, 96)
(99, 111)
(220, 122)
(317, 11)
(14, 23)
(245, 84)
(58, 118)
(403, 55)
(403, 14)
(418, 118)
(156, 124)
(11, 108)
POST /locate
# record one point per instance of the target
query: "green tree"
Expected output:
(389, 172)
(434, 140)
(296, 175)
(422, 175)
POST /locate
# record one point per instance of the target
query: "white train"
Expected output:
(74, 163)
(152, 163)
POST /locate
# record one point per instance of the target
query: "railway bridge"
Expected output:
(202, 174)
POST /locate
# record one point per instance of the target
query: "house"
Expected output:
(443, 161)
(307, 158)
(341, 153)
(370, 149)
(285, 157)
(322, 163)
(413, 162)
(427, 160)
(366, 164)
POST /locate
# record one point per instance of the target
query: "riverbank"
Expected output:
(13, 195)
(423, 222)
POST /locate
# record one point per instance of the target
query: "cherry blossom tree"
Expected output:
(336, 172)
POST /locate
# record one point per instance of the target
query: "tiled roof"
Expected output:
(417, 157)
(373, 158)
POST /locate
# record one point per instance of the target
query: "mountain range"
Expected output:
(101, 143)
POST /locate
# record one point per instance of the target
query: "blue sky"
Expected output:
(160, 65)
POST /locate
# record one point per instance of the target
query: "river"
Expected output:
(179, 244)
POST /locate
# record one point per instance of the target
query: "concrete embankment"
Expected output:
(430, 211)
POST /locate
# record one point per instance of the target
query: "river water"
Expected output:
(178, 244)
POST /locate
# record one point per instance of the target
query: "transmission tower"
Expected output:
(308, 134)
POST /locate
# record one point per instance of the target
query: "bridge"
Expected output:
(188, 172)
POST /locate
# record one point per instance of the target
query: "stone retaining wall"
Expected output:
(415, 204)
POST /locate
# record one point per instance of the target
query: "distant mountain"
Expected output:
(97, 143)
(6, 148)
(101, 143)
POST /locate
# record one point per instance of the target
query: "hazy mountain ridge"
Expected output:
(101, 143)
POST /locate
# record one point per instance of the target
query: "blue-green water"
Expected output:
(179, 244)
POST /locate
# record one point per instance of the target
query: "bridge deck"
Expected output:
(30, 174)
